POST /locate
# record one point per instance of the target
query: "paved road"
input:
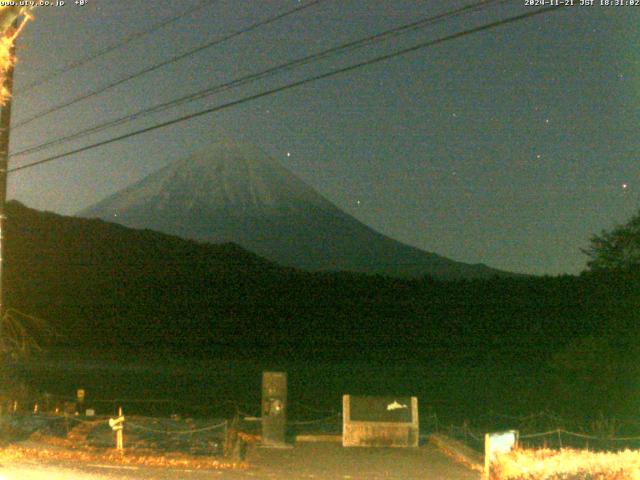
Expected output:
(317, 461)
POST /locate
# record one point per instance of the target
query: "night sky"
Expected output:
(509, 147)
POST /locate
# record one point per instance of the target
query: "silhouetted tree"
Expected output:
(618, 249)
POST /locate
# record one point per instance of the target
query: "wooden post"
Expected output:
(346, 420)
(120, 434)
(80, 396)
(117, 424)
(487, 457)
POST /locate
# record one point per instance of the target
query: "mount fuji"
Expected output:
(236, 193)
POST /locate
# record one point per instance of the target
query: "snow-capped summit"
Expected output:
(234, 192)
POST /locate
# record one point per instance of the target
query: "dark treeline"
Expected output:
(99, 284)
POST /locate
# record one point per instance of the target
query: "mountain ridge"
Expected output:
(236, 193)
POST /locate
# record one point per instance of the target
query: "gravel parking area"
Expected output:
(319, 461)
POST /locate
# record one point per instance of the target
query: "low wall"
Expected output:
(458, 451)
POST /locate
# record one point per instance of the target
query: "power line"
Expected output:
(164, 63)
(266, 73)
(298, 83)
(84, 60)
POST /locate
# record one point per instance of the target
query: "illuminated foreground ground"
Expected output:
(319, 461)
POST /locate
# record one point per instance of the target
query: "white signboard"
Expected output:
(502, 442)
(497, 443)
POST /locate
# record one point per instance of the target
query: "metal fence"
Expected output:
(548, 430)
(192, 436)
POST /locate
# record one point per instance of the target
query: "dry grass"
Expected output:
(53, 449)
(566, 464)
(7, 59)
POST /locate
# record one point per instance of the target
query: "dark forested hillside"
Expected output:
(100, 282)
(103, 285)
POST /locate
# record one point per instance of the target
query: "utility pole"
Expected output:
(5, 125)
(10, 26)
